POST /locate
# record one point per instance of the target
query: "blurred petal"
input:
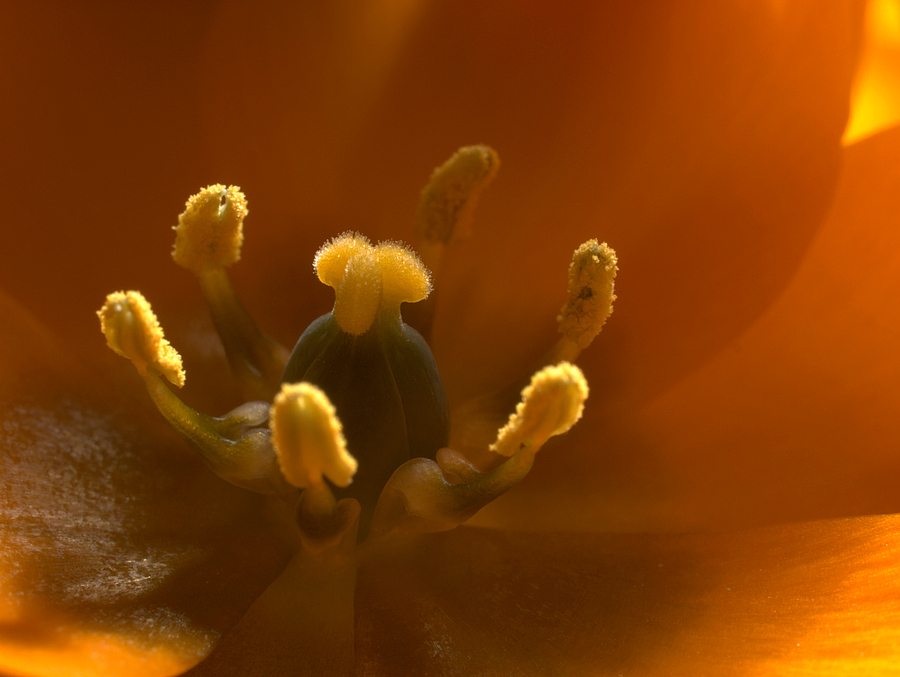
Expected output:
(803, 408)
(702, 140)
(119, 552)
(675, 134)
(805, 599)
(796, 419)
(876, 87)
(101, 150)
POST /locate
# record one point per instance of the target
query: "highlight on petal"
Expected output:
(119, 552)
(815, 598)
(875, 104)
(795, 419)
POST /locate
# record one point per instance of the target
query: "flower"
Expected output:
(748, 383)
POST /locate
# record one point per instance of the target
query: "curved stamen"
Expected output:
(231, 446)
(425, 495)
(208, 239)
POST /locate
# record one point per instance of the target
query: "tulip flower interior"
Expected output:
(351, 430)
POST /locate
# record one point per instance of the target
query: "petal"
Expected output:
(701, 140)
(696, 128)
(876, 88)
(694, 153)
(805, 599)
(100, 153)
(796, 419)
(119, 552)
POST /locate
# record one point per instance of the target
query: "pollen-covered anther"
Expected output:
(551, 404)
(308, 437)
(448, 201)
(592, 275)
(132, 330)
(368, 279)
(209, 233)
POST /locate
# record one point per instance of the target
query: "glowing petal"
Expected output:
(806, 599)
(876, 92)
(796, 419)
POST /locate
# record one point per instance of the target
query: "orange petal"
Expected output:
(683, 137)
(701, 141)
(796, 419)
(119, 552)
(805, 599)
(876, 88)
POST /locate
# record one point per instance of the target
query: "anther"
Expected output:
(592, 275)
(551, 404)
(132, 330)
(308, 437)
(445, 213)
(451, 195)
(209, 233)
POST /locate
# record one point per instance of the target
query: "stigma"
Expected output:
(356, 414)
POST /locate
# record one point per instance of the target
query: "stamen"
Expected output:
(369, 280)
(132, 330)
(208, 239)
(231, 446)
(550, 405)
(425, 495)
(308, 437)
(445, 214)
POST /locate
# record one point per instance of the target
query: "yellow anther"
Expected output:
(308, 437)
(132, 330)
(550, 405)
(209, 233)
(367, 279)
(592, 275)
(448, 201)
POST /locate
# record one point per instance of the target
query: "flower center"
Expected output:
(356, 415)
